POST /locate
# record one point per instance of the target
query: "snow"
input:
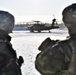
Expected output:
(26, 45)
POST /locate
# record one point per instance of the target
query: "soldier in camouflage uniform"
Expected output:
(9, 64)
(57, 57)
(69, 19)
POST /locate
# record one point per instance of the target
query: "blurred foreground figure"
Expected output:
(58, 57)
(8, 59)
(69, 19)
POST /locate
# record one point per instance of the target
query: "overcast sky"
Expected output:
(25, 10)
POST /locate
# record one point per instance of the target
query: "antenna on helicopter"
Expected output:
(54, 16)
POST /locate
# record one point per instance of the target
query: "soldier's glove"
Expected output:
(20, 61)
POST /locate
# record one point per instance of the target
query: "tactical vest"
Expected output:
(55, 59)
(8, 59)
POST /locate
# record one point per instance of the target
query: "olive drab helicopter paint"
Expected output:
(38, 26)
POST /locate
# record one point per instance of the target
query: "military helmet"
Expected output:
(6, 21)
(69, 14)
(69, 18)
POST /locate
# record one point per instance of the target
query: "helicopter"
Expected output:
(38, 26)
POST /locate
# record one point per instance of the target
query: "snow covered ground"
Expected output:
(26, 44)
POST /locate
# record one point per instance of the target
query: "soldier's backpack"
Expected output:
(8, 59)
(54, 58)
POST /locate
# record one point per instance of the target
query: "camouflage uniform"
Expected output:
(55, 58)
(69, 19)
(8, 58)
(59, 58)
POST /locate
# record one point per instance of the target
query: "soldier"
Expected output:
(69, 19)
(8, 57)
(58, 57)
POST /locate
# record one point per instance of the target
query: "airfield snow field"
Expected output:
(26, 45)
